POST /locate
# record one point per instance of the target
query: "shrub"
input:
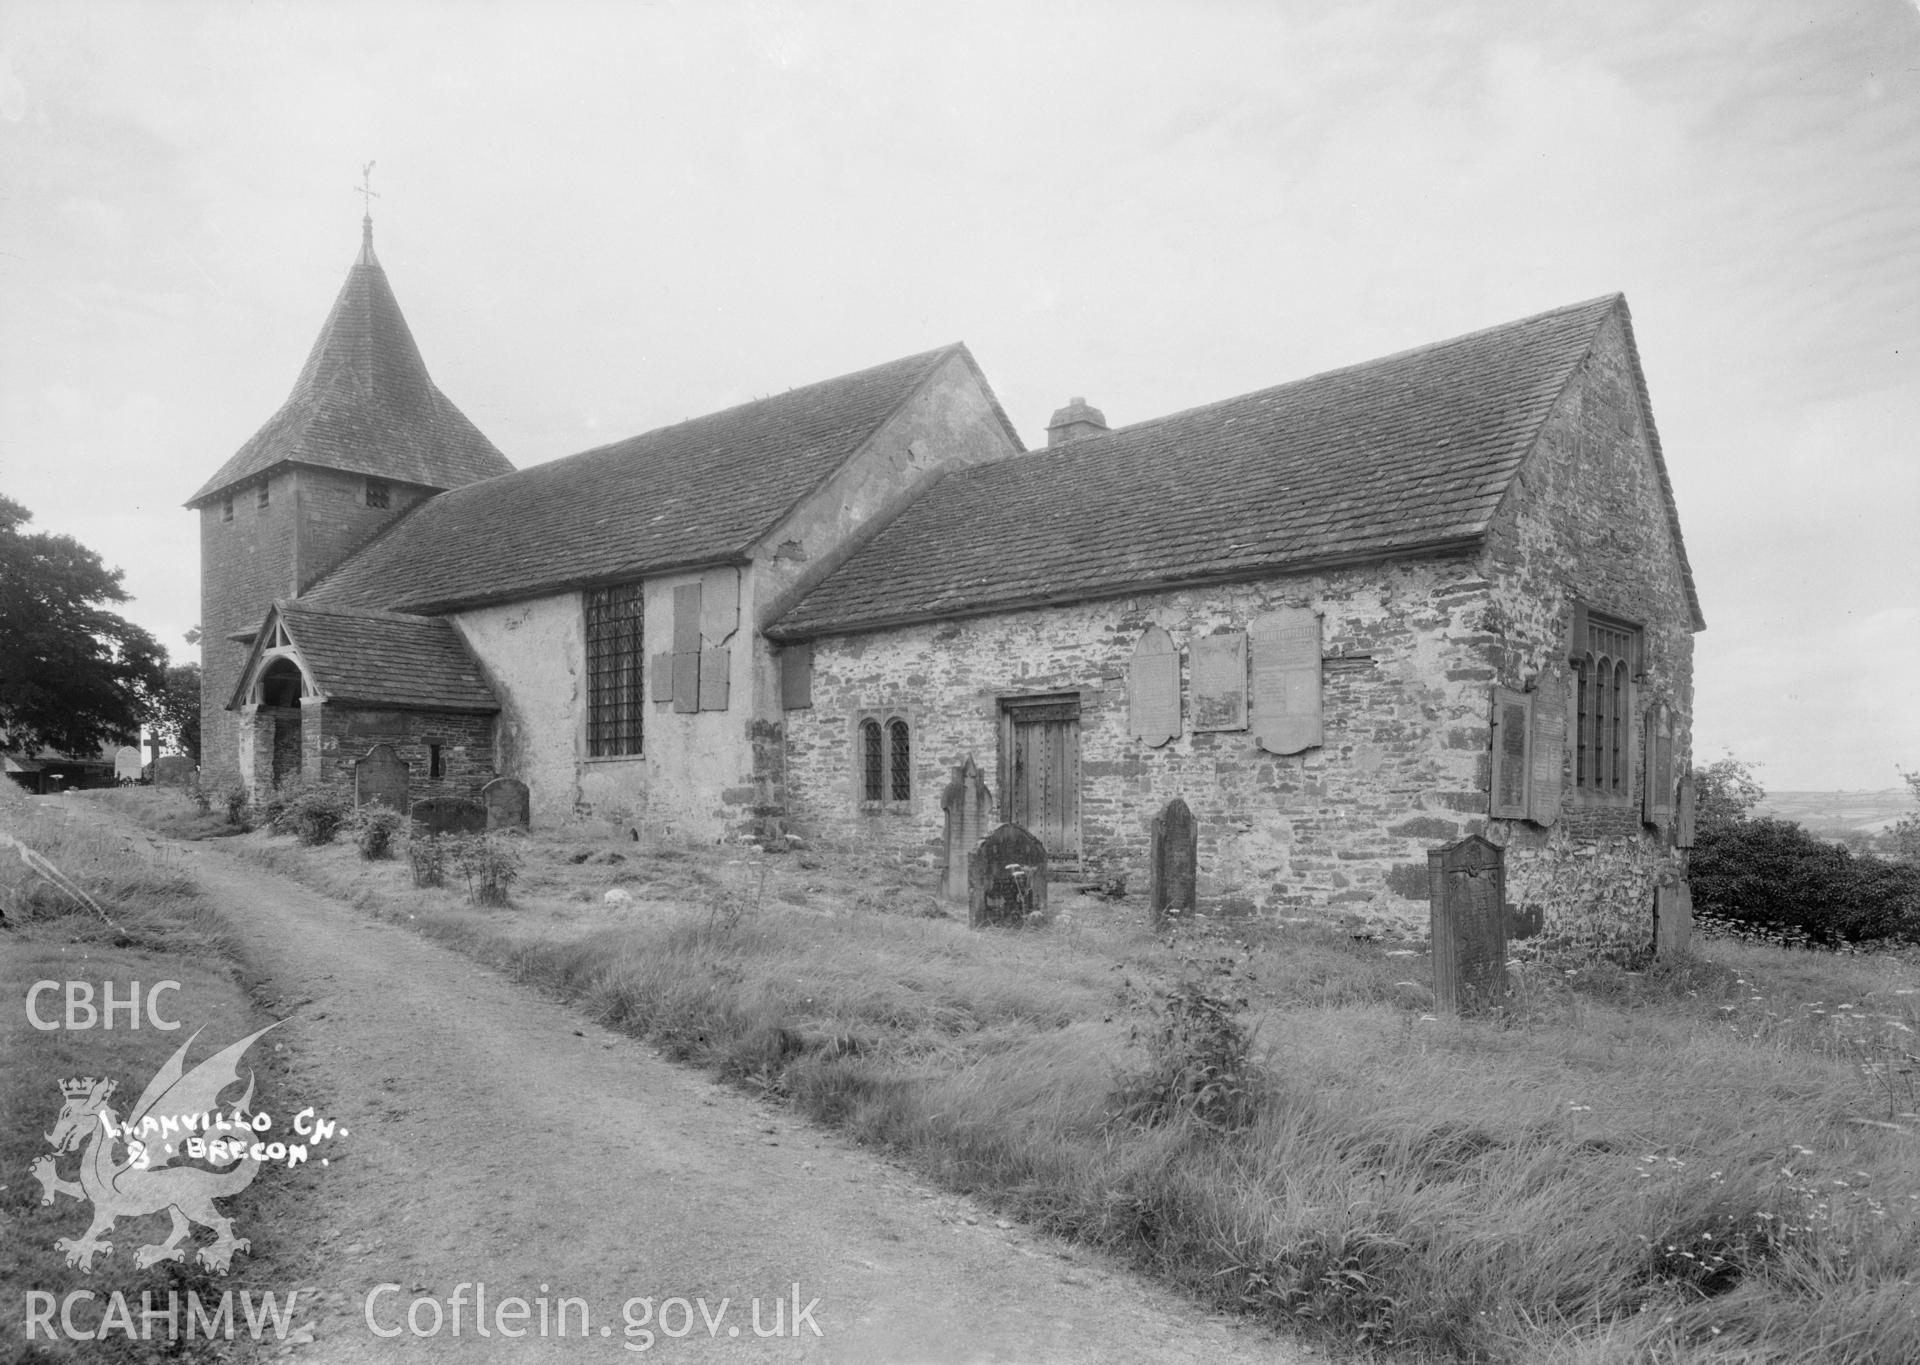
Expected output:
(228, 792)
(427, 855)
(312, 812)
(1772, 874)
(1199, 1057)
(489, 862)
(373, 828)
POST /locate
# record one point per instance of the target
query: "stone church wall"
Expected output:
(1587, 521)
(1342, 829)
(343, 736)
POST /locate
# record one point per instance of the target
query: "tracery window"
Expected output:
(1604, 667)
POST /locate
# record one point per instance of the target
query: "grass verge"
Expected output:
(1714, 1160)
(151, 928)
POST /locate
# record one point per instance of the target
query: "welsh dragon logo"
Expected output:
(175, 1104)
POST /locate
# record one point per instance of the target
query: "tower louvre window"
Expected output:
(264, 495)
(226, 510)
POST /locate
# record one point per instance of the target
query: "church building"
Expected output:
(1346, 619)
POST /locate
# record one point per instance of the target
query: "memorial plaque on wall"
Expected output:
(1220, 682)
(1153, 689)
(1285, 650)
(1467, 888)
(719, 604)
(1549, 757)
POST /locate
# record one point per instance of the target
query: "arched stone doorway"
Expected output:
(279, 691)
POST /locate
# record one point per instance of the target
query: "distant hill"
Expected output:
(1829, 813)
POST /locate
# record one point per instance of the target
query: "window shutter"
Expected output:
(1512, 724)
(796, 676)
(716, 668)
(1153, 689)
(1286, 680)
(686, 647)
(662, 689)
(1548, 761)
(1656, 806)
(1683, 814)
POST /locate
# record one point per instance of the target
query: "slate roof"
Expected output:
(364, 403)
(701, 491)
(378, 658)
(1409, 453)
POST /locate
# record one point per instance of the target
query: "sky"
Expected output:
(601, 218)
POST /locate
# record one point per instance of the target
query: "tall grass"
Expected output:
(1715, 1159)
(1622, 1169)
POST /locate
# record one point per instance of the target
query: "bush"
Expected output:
(489, 862)
(227, 792)
(373, 828)
(1773, 875)
(312, 812)
(427, 855)
(1199, 1057)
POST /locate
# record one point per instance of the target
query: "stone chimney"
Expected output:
(1075, 420)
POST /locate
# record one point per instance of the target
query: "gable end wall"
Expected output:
(1587, 520)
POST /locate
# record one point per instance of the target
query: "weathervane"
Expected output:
(366, 191)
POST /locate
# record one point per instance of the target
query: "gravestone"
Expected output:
(1672, 919)
(1007, 878)
(126, 764)
(1466, 881)
(172, 770)
(380, 777)
(506, 801)
(1173, 862)
(968, 806)
(450, 815)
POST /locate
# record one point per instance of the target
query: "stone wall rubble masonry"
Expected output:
(1272, 831)
(1588, 522)
(1412, 651)
(342, 736)
(314, 519)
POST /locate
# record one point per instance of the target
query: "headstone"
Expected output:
(1153, 689)
(1174, 861)
(1285, 649)
(1672, 919)
(968, 806)
(126, 764)
(1007, 878)
(506, 801)
(1220, 682)
(450, 815)
(381, 776)
(172, 770)
(1467, 887)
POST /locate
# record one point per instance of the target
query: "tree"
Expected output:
(72, 674)
(1725, 792)
(174, 711)
(1905, 834)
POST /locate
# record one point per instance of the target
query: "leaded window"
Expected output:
(1603, 717)
(614, 654)
(885, 757)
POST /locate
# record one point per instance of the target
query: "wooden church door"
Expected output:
(1040, 772)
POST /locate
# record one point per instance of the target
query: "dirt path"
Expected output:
(495, 1137)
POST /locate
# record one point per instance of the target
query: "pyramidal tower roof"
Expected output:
(364, 404)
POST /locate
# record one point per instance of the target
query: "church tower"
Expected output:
(363, 439)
